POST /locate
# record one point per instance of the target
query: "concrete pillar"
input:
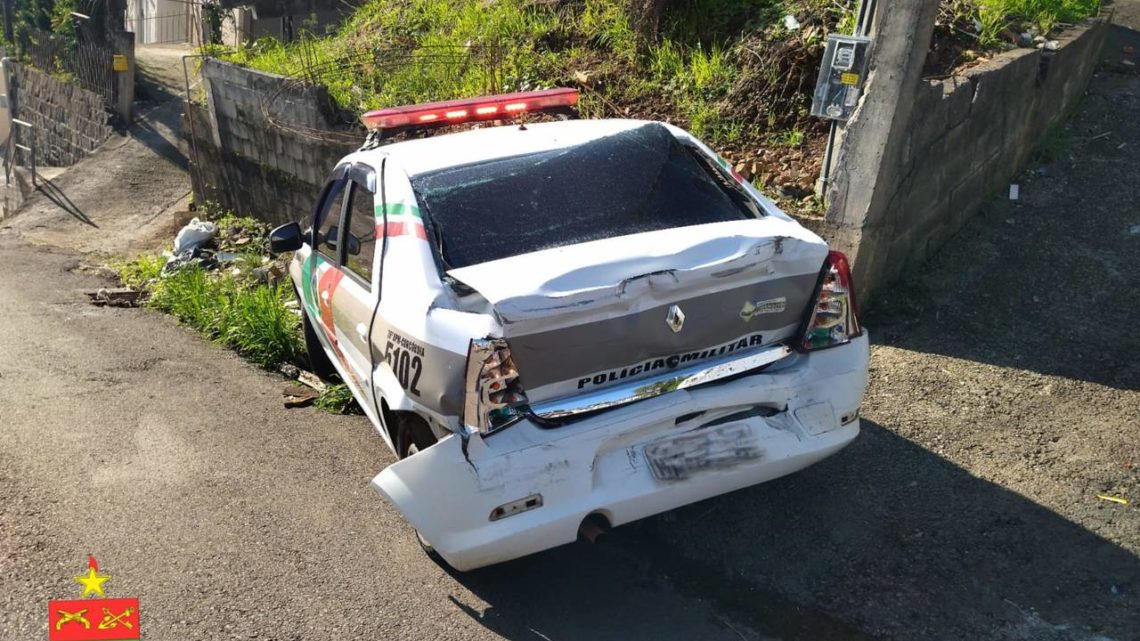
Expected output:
(871, 145)
(124, 42)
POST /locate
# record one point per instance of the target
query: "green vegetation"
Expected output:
(703, 64)
(47, 32)
(231, 305)
(997, 24)
(249, 317)
(140, 272)
(337, 399)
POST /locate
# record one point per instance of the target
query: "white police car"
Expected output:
(569, 321)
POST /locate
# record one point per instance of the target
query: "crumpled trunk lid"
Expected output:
(598, 314)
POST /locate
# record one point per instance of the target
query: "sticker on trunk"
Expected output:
(759, 308)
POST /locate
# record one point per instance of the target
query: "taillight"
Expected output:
(833, 319)
(494, 396)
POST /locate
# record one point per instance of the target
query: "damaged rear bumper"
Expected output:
(600, 464)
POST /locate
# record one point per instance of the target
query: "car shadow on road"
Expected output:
(885, 540)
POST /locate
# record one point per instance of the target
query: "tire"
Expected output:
(319, 362)
(413, 435)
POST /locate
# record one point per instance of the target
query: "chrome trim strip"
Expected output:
(658, 385)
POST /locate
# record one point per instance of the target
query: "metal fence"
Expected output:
(164, 29)
(89, 64)
(21, 149)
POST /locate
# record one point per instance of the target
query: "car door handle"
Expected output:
(362, 331)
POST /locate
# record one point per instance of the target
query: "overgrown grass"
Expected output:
(249, 317)
(228, 305)
(141, 271)
(994, 20)
(405, 51)
(337, 399)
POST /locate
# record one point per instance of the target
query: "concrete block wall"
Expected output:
(70, 121)
(965, 139)
(971, 135)
(263, 144)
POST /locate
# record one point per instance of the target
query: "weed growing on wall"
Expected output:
(969, 29)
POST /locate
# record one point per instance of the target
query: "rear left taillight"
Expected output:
(833, 318)
(494, 397)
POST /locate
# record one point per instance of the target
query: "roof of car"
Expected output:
(485, 143)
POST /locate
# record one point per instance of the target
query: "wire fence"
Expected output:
(89, 64)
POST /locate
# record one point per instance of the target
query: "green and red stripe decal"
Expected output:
(403, 220)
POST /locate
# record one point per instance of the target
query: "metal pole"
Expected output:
(865, 16)
(8, 34)
(10, 114)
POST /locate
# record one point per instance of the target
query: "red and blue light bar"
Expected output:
(455, 112)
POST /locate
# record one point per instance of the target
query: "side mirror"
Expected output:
(286, 238)
(351, 244)
(329, 239)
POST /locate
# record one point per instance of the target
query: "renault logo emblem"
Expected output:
(675, 319)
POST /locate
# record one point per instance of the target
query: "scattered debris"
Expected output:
(299, 396)
(1114, 499)
(269, 274)
(1134, 230)
(310, 379)
(202, 257)
(195, 234)
(1099, 136)
(1014, 191)
(790, 23)
(117, 297)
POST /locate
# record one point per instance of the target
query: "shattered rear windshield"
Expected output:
(639, 180)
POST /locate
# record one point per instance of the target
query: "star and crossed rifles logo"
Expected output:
(92, 619)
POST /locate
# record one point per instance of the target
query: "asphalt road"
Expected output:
(176, 465)
(1003, 399)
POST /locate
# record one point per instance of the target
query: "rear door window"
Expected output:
(639, 180)
(360, 244)
(329, 220)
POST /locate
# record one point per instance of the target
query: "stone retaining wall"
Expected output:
(263, 144)
(70, 121)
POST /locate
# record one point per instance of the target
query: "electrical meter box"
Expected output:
(841, 76)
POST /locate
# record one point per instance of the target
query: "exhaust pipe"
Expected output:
(593, 526)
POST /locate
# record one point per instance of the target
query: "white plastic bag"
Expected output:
(193, 235)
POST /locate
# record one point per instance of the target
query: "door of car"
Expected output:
(341, 274)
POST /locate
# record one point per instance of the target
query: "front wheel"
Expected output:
(319, 362)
